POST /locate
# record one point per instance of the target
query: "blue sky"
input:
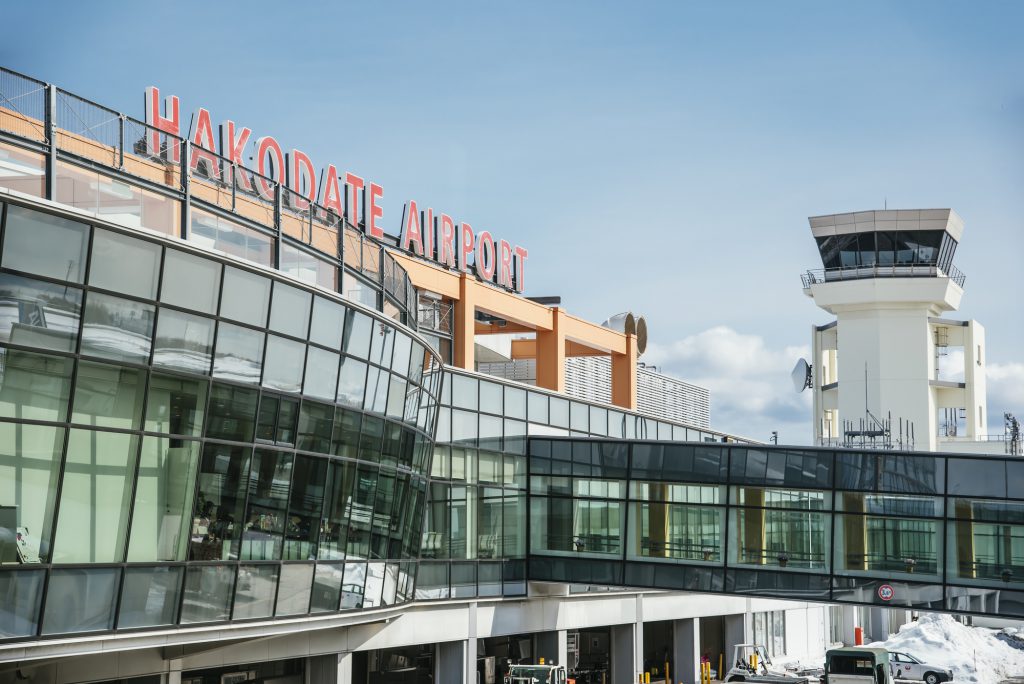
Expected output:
(679, 145)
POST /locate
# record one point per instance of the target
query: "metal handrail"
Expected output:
(827, 275)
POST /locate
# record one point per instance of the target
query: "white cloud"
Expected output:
(1005, 392)
(751, 392)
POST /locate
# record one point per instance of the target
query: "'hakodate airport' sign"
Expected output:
(436, 237)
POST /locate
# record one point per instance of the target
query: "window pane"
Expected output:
(124, 264)
(327, 587)
(108, 396)
(357, 334)
(80, 600)
(254, 591)
(328, 322)
(239, 354)
(351, 382)
(45, 245)
(163, 500)
(92, 522)
(117, 329)
(289, 312)
(353, 585)
(246, 296)
(268, 500)
(21, 592)
(232, 413)
(34, 386)
(215, 232)
(175, 405)
(38, 314)
(315, 423)
(284, 364)
(302, 529)
(293, 594)
(30, 458)
(217, 521)
(190, 282)
(149, 597)
(334, 524)
(321, 373)
(183, 341)
(400, 357)
(464, 391)
(208, 592)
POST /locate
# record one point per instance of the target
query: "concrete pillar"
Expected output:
(735, 633)
(551, 353)
(624, 379)
(334, 668)
(174, 672)
(624, 665)
(464, 332)
(553, 647)
(686, 651)
(878, 625)
(450, 663)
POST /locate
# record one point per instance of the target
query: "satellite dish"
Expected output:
(801, 375)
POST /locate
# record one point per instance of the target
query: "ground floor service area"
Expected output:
(600, 638)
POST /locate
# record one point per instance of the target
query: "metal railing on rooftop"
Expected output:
(828, 275)
(67, 128)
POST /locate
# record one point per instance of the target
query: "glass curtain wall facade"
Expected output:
(937, 532)
(184, 440)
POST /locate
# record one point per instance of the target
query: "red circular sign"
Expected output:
(886, 592)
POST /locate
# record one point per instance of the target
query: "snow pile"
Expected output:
(974, 654)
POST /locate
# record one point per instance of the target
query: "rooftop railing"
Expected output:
(828, 275)
(64, 128)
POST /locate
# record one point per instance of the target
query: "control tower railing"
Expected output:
(828, 275)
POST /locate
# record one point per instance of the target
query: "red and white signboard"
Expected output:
(886, 592)
(438, 238)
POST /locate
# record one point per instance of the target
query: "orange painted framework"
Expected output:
(558, 334)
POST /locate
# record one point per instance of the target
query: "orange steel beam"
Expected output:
(527, 349)
(490, 329)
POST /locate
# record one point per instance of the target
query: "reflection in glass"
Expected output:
(92, 521)
(356, 339)
(208, 592)
(284, 364)
(352, 586)
(334, 526)
(232, 413)
(327, 587)
(79, 600)
(163, 500)
(66, 244)
(302, 526)
(327, 323)
(37, 314)
(254, 591)
(183, 341)
(175, 405)
(351, 382)
(21, 592)
(108, 396)
(239, 354)
(218, 517)
(321, 374)
(294, 590)
(190, 281)
(124, 264)
(289, 311)
(677, 531)
(117, 329)
(267, 507)
(29, 466)
(246, 297)
(149, 596)
(34, 386)
(316, 421)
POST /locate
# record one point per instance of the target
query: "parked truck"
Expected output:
(857, 666)
(536, 674)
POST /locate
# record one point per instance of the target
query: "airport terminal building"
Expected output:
(243, 437)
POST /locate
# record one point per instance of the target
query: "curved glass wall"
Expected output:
(184, 440)
(123, 170)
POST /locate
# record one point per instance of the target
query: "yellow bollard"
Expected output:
(668, 679)
(721, 662)
(647, 678)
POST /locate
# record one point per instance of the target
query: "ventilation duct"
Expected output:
(630, 324)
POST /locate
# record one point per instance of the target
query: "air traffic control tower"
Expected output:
(885, 372)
